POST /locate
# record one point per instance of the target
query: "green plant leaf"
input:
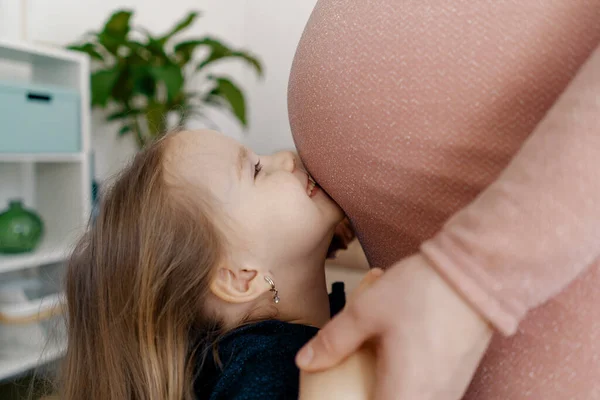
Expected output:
(228, 94)
(156, 118)
(125, 129)
(123, 114)
(115, 31)
(219, 51)
(152, 46)
(144, 82)
(146, 73)
(102, 83)
(184, 50)
(180, 26)
(138, 52)
(171, 75)
(110, 43)
(118, 24)
(87, 48)
(157, 48)
(123, 89)
(250, 59)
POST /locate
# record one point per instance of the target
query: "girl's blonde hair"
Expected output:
(135, 288)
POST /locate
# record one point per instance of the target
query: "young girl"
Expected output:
(201, 277)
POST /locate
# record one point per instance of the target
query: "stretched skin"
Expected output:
(470, 131)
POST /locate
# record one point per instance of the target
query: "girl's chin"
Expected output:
(330, 208)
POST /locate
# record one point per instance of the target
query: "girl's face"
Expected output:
(271, 205)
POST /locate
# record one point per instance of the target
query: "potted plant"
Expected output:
(144, 78)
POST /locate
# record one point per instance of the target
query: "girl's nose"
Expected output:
(286, 160)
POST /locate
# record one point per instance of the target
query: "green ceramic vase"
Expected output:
(20, 229)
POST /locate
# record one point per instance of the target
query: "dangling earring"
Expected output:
(275, 292)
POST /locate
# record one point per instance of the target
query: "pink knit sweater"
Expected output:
(470, 131)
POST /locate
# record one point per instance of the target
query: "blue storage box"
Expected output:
(38, 119)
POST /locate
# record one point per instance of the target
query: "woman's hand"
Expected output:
(354, 377)
(428, 340)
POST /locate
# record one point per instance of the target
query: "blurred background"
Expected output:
(269, 29)
(83, 85)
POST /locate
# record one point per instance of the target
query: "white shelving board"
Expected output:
(57, 186)
(33, 158)
(46, 253)
(13, 366)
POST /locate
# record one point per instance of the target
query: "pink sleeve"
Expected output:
(530, 233)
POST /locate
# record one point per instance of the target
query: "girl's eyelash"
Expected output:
(257, 169)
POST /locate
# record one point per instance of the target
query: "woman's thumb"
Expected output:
(336, 341)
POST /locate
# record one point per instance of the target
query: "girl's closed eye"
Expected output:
(257, 168)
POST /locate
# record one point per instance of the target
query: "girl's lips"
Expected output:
(311, 187)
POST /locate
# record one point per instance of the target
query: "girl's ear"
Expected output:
(238, 285)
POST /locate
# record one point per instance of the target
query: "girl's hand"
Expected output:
(428, 340)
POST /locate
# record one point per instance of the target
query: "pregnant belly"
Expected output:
(404, 111)
(555, 355)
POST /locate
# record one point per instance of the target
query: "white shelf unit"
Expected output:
(29, 360)
(57, 186)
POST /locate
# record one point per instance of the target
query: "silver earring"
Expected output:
(275, 292)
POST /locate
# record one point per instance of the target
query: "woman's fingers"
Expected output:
(337, 340)
(428, 339)
(389, 380)
(343, 335)
(369, 278)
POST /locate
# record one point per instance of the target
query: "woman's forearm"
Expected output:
(530, 233)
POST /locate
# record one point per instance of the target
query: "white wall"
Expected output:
(269, 28)
(273, 29)
(10, 19)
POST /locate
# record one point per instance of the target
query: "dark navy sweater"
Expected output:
(258, 363)
(258, 360)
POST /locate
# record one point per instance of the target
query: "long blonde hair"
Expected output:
(135, 288)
